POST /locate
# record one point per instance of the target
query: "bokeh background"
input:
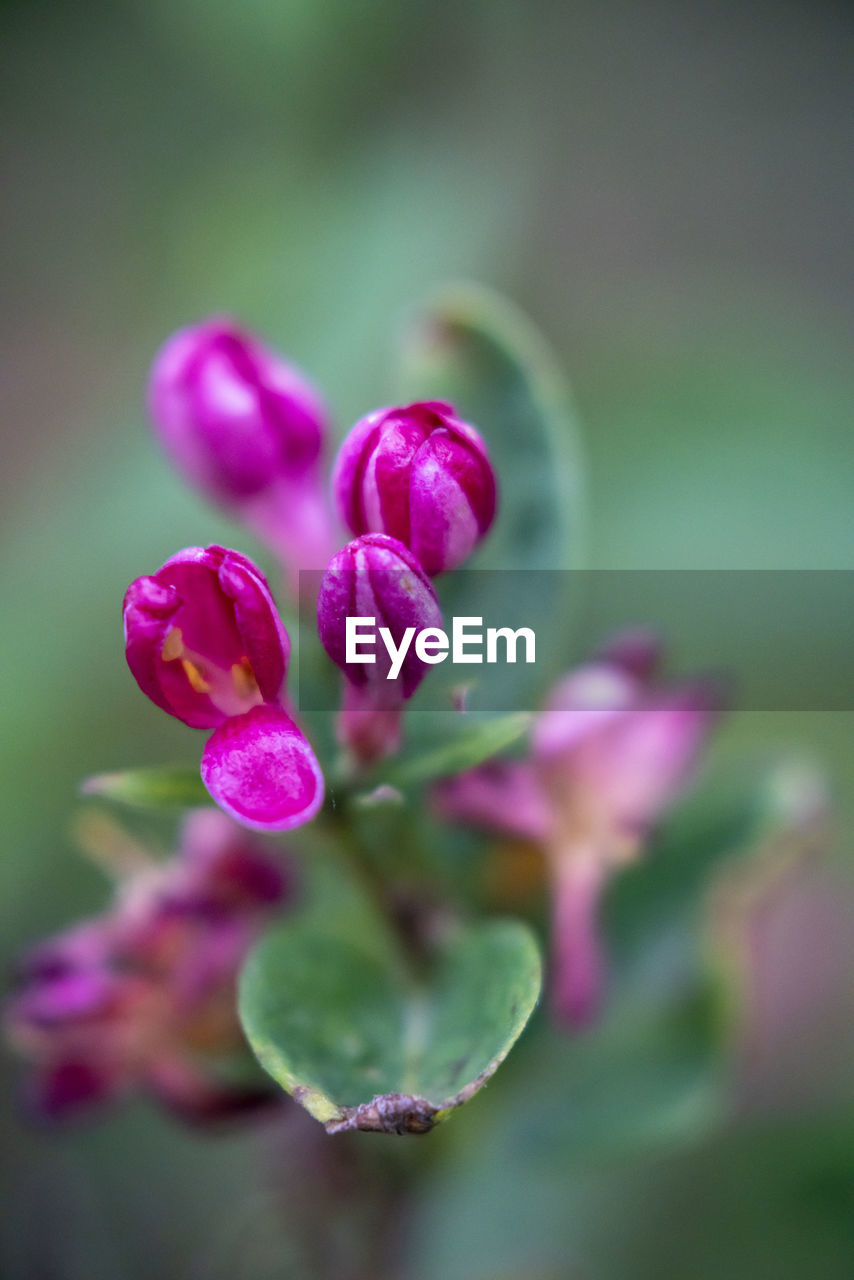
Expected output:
(668, 190)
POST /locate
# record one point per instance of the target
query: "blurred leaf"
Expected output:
(360, 1046)
(475, 349)
(470, 748)
(161, 787)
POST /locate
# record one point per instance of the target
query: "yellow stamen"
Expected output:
(244, 678)
(173, 645)
(195, 677)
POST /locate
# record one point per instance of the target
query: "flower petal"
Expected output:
(260, 768)
(502, 795)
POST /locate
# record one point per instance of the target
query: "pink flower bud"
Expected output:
(205, 642)
(376, 577)
(203, 637)
(232, 415)
(247, 430)
(422, 475)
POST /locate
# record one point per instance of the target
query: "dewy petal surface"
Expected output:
(260, 768)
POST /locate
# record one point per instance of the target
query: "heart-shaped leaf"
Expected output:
(362, 1046)
(159, 787)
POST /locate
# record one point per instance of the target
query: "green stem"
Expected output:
(379, 893)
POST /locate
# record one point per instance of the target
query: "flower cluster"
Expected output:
(203, 636)
(416, 488)
(143, 997)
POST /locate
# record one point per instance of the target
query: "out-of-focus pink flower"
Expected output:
(376, 576)
(610, 753)
(204, 641)
(143, 997)
(422, 475)
(246, 429)
(780, 934)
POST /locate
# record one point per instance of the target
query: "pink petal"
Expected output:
(581, 705)
(503, 795)
(260, 768)
(577, 978)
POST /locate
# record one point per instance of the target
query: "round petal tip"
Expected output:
(260, 768)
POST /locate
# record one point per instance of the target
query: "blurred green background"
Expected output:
(668, 190)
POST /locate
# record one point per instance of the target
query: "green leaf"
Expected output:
(362, 1046)
(161, 787)
(475, 349)
(468, 749)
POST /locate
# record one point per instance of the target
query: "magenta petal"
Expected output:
(267, 643)
(376, 576)
(260, 768)
(232, 414)
(581, 706)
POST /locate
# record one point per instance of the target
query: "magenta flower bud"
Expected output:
(204, 641)
(246, 429)
(422, 475)
(203, 637)
(232, 415)
(376, 577)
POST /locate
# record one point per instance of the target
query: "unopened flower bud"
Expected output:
(232, 415)
(246, 429)
(422, 475)
(375, 576)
